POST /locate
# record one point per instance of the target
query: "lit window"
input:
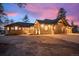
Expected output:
(23, 28)
(16, 28)
(7, 28)
(42, 25)
(31, 27)
(12, 28)
(49, 26)
(46, 27)
(54, 27)
(19, 28)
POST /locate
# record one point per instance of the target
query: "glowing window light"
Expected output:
(46, 27)
(19, 28)
(49, 26)
(42, 25)
(23, 28)
(31, 27)
(16, 28)
(54, 27)
(7, 28)
(12, 28)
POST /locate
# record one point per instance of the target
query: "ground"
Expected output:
(39, 45)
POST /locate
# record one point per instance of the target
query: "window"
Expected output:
(49, 26)
(12, 28)
(7, 28)
(16, 28)
(23, 28)
(31, 27)
(42, 25)
(19, 28)
(46, 27)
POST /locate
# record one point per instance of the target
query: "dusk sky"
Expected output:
(42, 11)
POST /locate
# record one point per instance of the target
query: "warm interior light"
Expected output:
(19, 28)
(23, 28)
(31, 27)
(69, 30)
(42, 25)
(16, 28)
(7, 28)
(12, 28)
(46, 27)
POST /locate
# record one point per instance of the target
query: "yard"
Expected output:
(39, 45)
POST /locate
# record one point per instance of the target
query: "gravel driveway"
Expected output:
(39, 45)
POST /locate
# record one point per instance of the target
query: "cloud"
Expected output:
(70, 17)
(42, 11)
(12, 14)
(49, 13)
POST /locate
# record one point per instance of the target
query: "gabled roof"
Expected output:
(21, 24)
(47, 21)
(55, 21)
(66, 23)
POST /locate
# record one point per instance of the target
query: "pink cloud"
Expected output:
(44, 12)
(49, 13)
(12, 14)
(70, 18)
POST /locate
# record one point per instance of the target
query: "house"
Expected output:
(46, 26)
(19, 28)
(56, 26)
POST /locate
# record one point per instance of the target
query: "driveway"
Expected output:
(54, 45)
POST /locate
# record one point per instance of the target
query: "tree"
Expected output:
(11, 21)
(7, 21)
(23, 5)
(25, 19)
(2, 14)
(61, 13)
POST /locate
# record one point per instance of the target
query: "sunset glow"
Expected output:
(42, 11)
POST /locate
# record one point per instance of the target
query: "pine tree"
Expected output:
(25, 19)
(23, 5)
(11, 21)
(61, 13)
(2, 14)
(7, 21)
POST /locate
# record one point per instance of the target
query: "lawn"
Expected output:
(53, 45)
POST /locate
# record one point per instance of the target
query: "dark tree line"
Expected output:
(4, 15)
